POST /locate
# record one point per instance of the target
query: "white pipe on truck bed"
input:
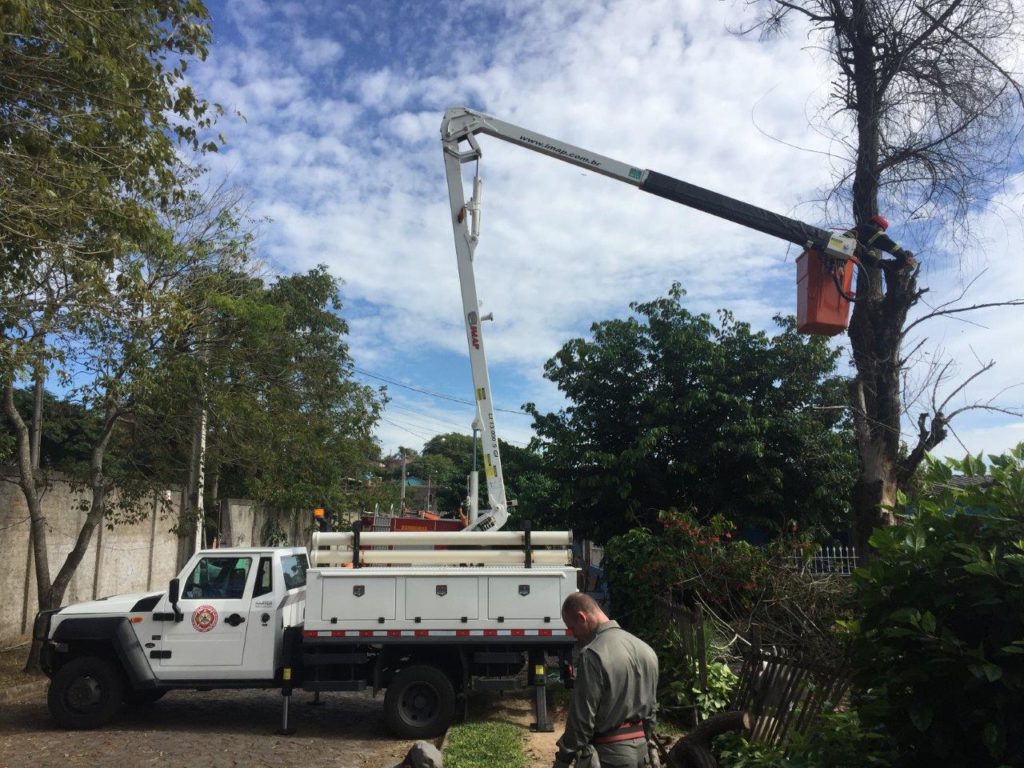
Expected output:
(321, 558)
(445, 538)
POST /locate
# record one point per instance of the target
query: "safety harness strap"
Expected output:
(631, 729)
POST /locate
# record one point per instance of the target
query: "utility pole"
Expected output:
(402, 502)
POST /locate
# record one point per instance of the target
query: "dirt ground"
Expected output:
(216, 728)
(221, 729)
(12, 661)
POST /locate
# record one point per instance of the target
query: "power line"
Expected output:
(419, 414)
(420, 435)
(450, 398)
(410, 427)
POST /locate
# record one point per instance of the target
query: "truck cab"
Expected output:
(232, 608)
(220, 623)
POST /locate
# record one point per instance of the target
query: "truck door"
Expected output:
(215, 602)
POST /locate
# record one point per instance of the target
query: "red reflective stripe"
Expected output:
(427, 632)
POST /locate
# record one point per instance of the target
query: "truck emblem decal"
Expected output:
(204, 618)
(358, 590)
(524, 589)
(441, 590)
(474, 330)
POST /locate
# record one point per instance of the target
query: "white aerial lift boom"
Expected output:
(458, 136)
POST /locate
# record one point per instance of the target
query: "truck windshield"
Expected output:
(294, 567)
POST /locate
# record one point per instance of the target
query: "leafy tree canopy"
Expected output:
(286, 423)
(669, 409)
(525, 481)
(93, 104)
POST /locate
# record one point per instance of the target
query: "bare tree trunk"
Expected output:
(37, 420)
(213, 497)
(884, 295)
(190, 516)
(97, 509)
(27, 461)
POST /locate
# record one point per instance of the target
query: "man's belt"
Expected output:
(631, 729)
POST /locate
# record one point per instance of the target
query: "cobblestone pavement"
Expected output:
(214, 729)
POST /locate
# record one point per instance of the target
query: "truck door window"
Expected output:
(294, 568)
(264, 578)
(222, 577)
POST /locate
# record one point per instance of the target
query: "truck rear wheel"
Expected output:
(87, 692)
(419, 702)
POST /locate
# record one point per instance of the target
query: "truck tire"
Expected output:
(87, 692)
(419, 703)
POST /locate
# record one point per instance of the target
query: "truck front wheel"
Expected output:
(419, 702)
(87, 692)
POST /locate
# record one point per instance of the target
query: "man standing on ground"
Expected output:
(615, 691)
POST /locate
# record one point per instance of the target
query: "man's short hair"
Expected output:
(580, 602)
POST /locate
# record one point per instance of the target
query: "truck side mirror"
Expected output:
(173, 595)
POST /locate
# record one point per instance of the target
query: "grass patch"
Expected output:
(485, 745)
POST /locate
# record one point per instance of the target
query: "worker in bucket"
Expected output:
(614, 696)
(872, 238)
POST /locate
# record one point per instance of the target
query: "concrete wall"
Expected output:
(129, 558)
(242, 522)
(140, 557)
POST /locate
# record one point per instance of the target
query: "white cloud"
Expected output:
(317, 52)
(341, 150)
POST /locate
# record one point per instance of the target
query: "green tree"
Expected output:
(269, 383)
(101, 332)
(93, 109)
(117, 325)
(928, 111)
(525, 479)
(668, 409)
(93, 104)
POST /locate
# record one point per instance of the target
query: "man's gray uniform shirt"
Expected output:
(616, 682)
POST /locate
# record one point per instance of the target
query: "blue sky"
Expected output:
(339, 148)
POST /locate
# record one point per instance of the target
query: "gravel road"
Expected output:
(216, 729)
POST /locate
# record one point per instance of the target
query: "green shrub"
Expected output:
(746, 589)
(735, 751)
(939, 645)
(839, 741)
(684, 690)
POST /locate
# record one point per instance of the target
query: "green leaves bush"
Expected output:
(840, 742)
(939, 645)
(745, 589)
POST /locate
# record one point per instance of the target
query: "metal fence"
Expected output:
(825, 561)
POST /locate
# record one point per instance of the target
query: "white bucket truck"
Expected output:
(426, 625)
